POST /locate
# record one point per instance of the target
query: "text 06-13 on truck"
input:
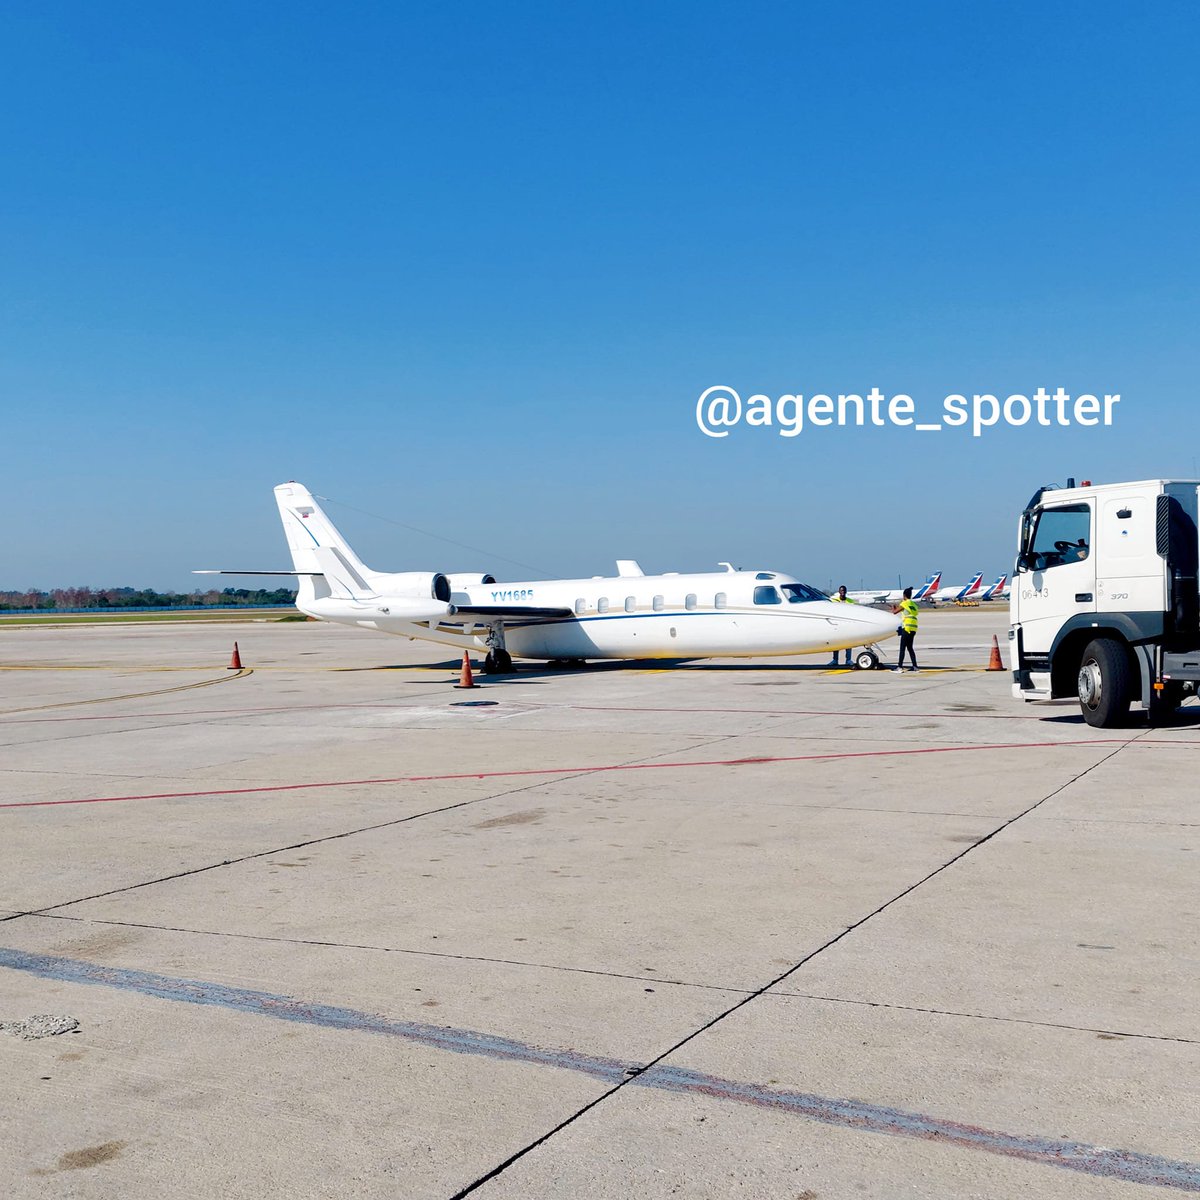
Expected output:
(1105, 603)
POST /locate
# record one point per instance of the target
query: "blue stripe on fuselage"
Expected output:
(623, 616)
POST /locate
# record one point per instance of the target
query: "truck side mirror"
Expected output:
(1024, 561)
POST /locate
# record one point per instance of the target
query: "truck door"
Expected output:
(1058, 578)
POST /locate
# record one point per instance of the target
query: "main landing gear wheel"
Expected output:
(498, 662)
(1105, 684)
(866, 660)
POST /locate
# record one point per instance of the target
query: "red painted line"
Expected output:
(1164, 742)
(718, 762)
(774, 712)
(808, 712)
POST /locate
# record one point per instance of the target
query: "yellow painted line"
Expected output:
(97, 667)
(922, 671)
(138, 670)
(8, 712)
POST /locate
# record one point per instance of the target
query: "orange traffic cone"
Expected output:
(995, 663)
(465, 680)
(235, 663)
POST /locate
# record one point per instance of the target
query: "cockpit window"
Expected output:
(801, 593)
(766, 595)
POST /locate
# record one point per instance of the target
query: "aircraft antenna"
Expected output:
(489, 554)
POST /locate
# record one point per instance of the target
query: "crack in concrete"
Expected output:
(582, 773)
(500, 1168)
(662, 981)
(946, 1012)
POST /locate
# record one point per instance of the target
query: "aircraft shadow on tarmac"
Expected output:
(531, 672)
(752, 667)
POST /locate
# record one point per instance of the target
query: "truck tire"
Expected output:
(1105, 683)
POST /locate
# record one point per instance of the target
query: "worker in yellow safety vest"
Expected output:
(909, 618)
(840, 597)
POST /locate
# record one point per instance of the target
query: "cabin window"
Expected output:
(630, 604)
(580, 606)
(766, 595)
(690, 602)
(602, 604)
(720, 600)
(659, 603)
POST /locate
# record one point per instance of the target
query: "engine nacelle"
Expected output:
(460, 580)
(411, 609)
(414, 585)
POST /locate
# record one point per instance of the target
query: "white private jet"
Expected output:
(883, 596)
(726, 614)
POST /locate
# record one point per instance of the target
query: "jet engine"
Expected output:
(415, 595)
(414, 585)
(459, 580)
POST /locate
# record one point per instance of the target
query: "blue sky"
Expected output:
(468, 267)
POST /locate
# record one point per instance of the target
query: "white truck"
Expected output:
(1104, 602)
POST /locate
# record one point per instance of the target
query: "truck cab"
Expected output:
(1104, 602)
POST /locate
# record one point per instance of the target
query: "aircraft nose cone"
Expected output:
(861, 622)
(877, 624)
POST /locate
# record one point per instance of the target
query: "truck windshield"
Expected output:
(801, 593)
(1061, 536)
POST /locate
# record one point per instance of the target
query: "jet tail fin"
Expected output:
(996, 588)
(929, 587)
(318, 549)
(972, 587)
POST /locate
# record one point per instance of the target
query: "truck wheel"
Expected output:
(1105, 683)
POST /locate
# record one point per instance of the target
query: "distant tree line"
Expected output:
(126, 597)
